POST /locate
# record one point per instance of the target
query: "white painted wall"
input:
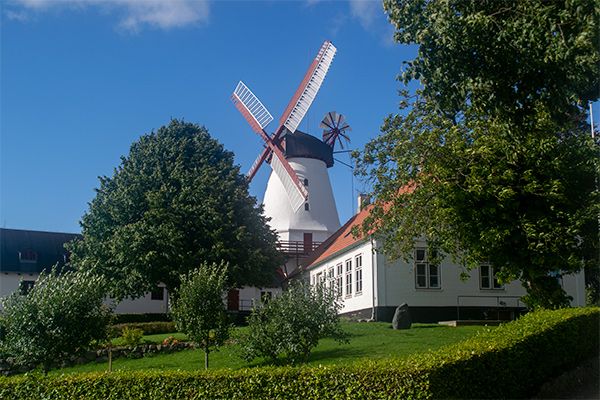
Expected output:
(322, 218)
(393, 283)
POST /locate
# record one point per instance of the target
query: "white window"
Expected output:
(348, 277)
(358, 269)
(340, 279)
(427, 274)
(487, 278)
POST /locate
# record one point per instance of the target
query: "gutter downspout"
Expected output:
(373, 280)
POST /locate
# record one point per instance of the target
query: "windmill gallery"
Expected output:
(300, 202)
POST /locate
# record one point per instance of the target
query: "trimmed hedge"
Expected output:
(511, 361)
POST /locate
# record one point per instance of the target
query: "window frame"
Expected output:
(358, 272)
(426, 271)
(493, 283)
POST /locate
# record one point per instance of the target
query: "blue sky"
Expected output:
(82, 80)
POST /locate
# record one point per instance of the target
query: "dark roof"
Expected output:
(300, 144)
(32, 251)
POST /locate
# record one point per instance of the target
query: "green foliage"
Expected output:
(140, 318)
(131, 337)
(285, 329)
(62, 313)
(528, 351)
(177, 200)
(494, 161)
(148, 328)
(198, 310)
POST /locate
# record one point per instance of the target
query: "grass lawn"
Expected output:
(372, 340)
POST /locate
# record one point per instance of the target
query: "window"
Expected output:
(266, 296)
(427, 274)
(487, 278)
(340, 280)
(158, 293)
(348, 277)
(306, 207)
(27, 256)
(330, 273)
(358, 266)
(305, 182)
(25, 287)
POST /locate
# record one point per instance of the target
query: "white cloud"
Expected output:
(366, 11)
(133, 14)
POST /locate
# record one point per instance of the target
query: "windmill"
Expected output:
(259, 117)
(334, 128)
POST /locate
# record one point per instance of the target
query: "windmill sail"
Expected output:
(251, 108)
(296, 192)
(306, 92)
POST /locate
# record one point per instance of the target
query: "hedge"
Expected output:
(511, 361)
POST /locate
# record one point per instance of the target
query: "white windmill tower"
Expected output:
(299, 164)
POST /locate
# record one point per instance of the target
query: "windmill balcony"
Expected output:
(297, 247)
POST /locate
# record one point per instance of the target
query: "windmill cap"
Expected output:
(302, 145)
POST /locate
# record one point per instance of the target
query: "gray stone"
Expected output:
(402, 318)
(90, 355)
(101, 359)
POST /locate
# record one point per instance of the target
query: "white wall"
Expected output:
(395, 284)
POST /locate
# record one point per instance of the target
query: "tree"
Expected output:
(175, 202)
(285, 329)
(493, 162)
(62, 314)
(198, 309)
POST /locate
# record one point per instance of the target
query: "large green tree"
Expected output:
(493, 161)
(175, 202)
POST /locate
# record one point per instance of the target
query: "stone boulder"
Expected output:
(402, 318)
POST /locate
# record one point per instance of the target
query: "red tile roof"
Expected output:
(340, 240)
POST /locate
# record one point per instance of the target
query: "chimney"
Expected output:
(363, 201)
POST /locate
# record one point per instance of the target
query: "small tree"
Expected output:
(62, 314)
(285, 329)
(198, 310)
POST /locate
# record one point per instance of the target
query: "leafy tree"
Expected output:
(285, 329)
(493, 161)
(198, 309)
(62, 314)
(175, 202)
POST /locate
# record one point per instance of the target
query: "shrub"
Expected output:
(285, 329)
(62, 313)
(131, 337)
(149, 328)
(141, 318)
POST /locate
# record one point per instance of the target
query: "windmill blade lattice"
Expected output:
(334, 128)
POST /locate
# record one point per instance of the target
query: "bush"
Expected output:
(62, 313)
(149, 328)
(285, 329)
(509, 362)
(131, 337)
(141, 318)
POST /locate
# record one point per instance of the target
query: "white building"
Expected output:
(372, 287)
(24, 254)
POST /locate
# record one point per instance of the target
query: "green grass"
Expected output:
(367, 341)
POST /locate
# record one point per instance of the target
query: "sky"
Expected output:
(81, 80)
